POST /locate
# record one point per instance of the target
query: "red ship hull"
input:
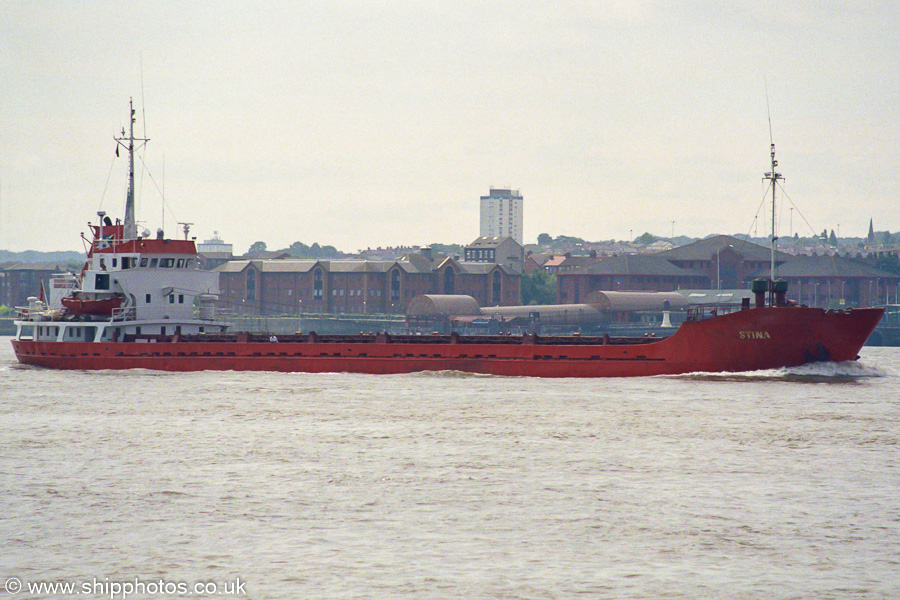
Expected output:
(742, 341)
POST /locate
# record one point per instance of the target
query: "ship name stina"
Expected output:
(754, 335)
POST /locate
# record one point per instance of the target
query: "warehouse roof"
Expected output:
(707, 248)
(825, 266)
(636, 264)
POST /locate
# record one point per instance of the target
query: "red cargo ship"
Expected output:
(158, 312)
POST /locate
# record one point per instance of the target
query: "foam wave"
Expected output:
(450, 374)
(820, 372)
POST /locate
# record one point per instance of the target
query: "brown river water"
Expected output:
(140, 484)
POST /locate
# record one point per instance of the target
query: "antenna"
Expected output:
(144, 120)
(773, 177)
(768, 111)
(186, 227)
(143, 104)
(130, 231)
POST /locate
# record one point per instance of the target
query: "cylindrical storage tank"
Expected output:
(633, 301)
(548, 314)
(442, 305)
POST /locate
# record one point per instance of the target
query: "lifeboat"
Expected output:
(99, 307)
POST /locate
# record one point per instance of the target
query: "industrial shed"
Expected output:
(555, 314)
(634, 301)
(442, 305)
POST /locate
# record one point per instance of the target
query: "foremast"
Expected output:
(773, 178)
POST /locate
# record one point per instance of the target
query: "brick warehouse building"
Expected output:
(19, 281)
(626, 272)
(293, 286)
(717, 262)
(725, 262)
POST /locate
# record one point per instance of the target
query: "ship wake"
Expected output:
(819, 372)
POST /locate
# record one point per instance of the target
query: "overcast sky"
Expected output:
(365, 124)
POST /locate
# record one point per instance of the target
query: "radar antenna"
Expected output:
(186, 227)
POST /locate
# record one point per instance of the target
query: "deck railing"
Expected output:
(125, 313)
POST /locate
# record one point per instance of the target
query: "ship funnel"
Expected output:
(759, 287)
(780, 287)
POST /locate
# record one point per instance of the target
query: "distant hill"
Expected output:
(33, 256)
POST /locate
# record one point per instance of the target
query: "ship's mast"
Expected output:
(130, 230)
(773, 178)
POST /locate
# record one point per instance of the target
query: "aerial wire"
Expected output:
(144, 119)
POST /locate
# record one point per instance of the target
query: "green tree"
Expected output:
(889, 263)
(539, 287)
(257, 248)
(301, 250)
(832, 239)
(448, 249)
(298, 249)
(647, 238)
(568, 240)
(545, 239)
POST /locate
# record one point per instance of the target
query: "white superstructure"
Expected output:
(130, 286)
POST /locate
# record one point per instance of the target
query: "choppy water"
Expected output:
(778, 484)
